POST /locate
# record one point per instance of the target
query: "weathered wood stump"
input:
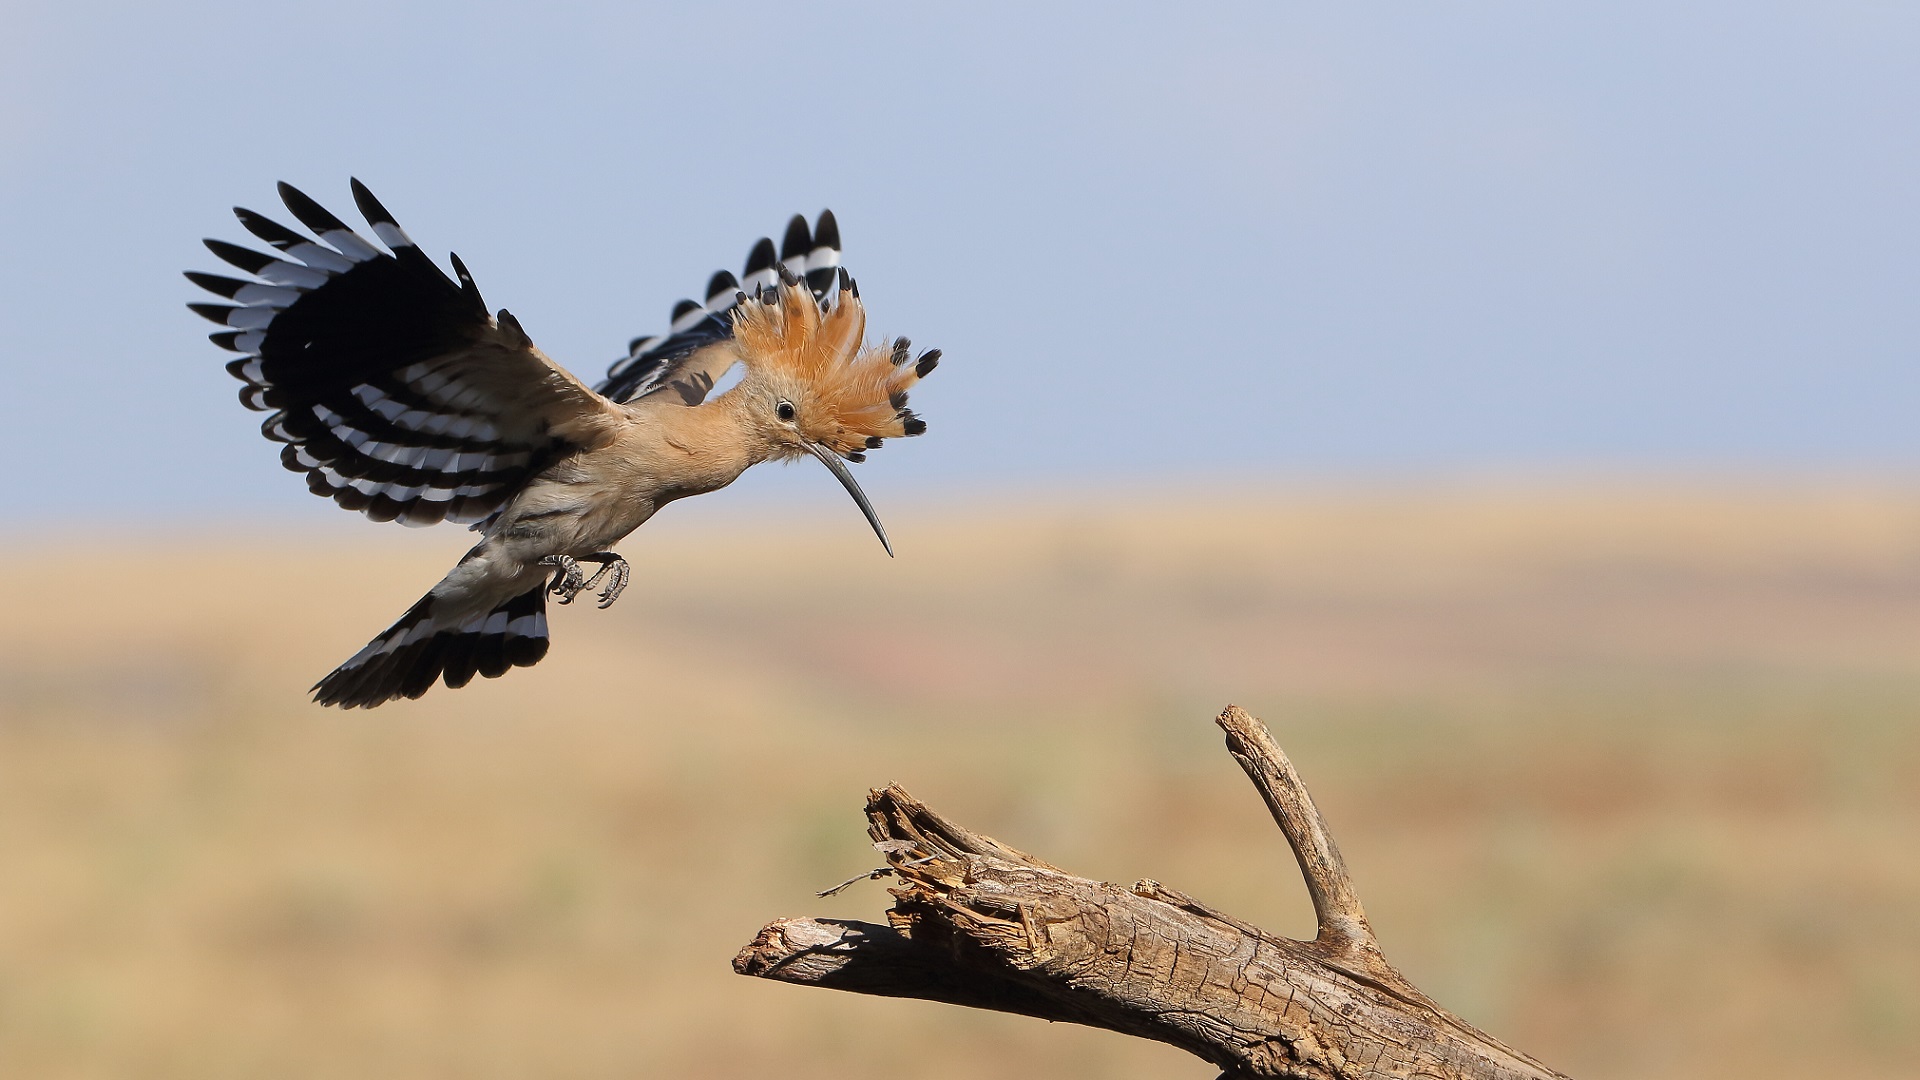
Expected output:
(980, 924)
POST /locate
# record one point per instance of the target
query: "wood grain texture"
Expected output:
(980, 924)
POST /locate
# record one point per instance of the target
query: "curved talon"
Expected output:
(609, 564)
(568, 582)
(615, 587)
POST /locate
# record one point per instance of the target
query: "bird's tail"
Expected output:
(435, 638)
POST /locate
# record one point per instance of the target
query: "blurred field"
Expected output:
(1629, 778)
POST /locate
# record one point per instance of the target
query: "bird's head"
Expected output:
(814, 387)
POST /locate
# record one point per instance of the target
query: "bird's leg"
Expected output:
(609, 564)
(568, 582)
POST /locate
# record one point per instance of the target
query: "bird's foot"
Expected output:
(568, 581)
(614, 565)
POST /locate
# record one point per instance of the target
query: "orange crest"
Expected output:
(848, 395)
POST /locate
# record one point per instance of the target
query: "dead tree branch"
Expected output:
(980, 924)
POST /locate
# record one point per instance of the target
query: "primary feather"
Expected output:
(393, 390)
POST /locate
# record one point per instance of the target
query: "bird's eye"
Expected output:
(784, 410)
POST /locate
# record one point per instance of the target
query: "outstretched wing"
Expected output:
(698, 346)
(389, 384)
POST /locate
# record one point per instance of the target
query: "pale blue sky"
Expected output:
(1264, 240)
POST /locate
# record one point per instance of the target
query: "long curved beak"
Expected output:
(839, 468)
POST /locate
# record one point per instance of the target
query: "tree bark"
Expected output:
(980, 924)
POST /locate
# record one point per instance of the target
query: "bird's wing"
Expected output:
(698, 348)
(391, 387)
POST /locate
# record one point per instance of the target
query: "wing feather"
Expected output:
(697, 348)
(392, 388)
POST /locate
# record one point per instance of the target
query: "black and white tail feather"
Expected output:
(425, 646)
(399, 396)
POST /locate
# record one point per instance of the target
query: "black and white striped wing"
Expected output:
(393, 390)
(698, 346)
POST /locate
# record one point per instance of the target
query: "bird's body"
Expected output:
(657, 452)
(399, 396)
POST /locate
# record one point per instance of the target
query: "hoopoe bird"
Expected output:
(398, 396)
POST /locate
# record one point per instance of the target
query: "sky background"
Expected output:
(1270, 241)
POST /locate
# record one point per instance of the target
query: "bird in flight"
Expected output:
(399, 396)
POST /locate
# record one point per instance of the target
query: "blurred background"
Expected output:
(1509, 404)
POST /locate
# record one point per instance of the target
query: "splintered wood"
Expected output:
(980, 924)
